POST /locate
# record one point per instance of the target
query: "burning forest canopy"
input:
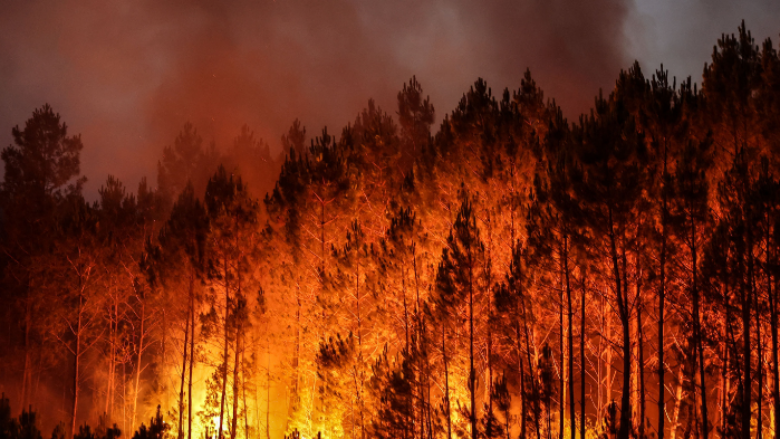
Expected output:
(515, 274)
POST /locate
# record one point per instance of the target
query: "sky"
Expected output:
(128, 74)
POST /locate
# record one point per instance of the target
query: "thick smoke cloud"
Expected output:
(681, 34)
(129, 74)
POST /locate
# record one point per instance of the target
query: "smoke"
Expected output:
(681, 34)
(128, 75)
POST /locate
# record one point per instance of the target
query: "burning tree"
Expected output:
(514, 274)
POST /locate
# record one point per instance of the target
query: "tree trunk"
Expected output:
(236, 365)
(472, 371)
(256, 372)
(77, 357)
(322, 235)
(678, 397)
(582, 366)
(562, 364)
(184, 371)
(570, 337)
(640, 370)
(697, 332)
(243, 396)
(420, 340)
(446, 383)
(620, 290)
(760, 378)
(359, 370)
(192, 365)
(534, 384)
(225, 354)
(747, 298)
(523, 401)
(139, 366)
(164, 345)
(661, 303)
(625, 411)
(490, 427)
(267, 395)
(111, 380)
(609, 374)
(124, 396)
(406, 312)
(489, 282)
(601, 397)
(724, 383)
(27, 373)
(294, 405)
(775, 367)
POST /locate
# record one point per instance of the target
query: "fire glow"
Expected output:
(515, 274)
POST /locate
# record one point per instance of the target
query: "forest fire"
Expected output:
(514, 274)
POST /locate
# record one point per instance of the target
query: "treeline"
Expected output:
(94, 304)
(26, 426)
(515, 274)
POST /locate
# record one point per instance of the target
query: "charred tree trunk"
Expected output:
(620, 291)
(625, 412)
(570, 337)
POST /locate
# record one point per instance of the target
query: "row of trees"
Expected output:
(96, 289)
(26, 426)
(515, 274)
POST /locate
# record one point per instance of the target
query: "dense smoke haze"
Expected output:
(128, 75)
(680, 34)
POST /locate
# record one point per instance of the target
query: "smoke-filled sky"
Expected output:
(127, 74)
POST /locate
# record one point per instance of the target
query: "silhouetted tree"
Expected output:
(609, 188)
(460, 281)
(157, 428)
(41, 173)
(179, 260)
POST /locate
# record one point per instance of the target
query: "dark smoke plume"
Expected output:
(128, 75)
